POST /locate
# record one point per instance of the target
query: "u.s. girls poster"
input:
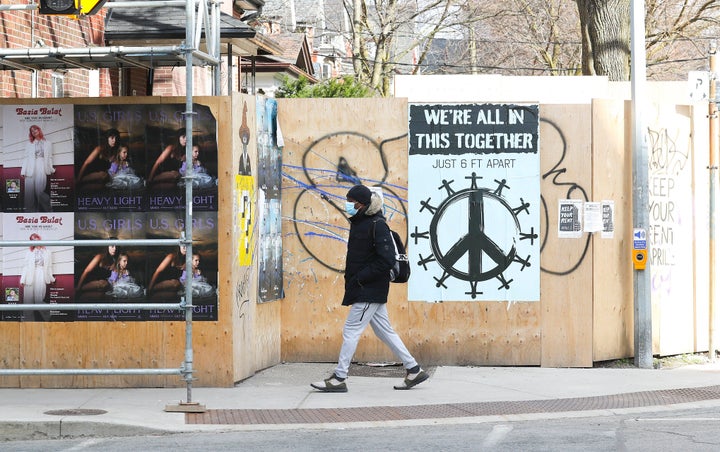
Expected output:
(113, 273)
(167, 167)
(167, 269)
(110, 158)
(134, 158)
(132, 173)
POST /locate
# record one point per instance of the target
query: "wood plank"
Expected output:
(566, 280)
(613, 280)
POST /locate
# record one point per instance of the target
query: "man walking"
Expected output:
(370, 256)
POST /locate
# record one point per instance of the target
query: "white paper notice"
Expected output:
(593, 217)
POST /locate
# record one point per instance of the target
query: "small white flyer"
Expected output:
(593, 217)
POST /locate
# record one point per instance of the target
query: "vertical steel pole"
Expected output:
(230, 82)
(215, 32)
(189, 40)
(712, 167)
(641, 196)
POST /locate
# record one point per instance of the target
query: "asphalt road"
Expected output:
(667, 430)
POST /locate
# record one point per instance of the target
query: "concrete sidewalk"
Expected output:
(281, 398)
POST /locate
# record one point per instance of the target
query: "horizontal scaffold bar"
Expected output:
(128, 242)
(177, 371)
(93, 306)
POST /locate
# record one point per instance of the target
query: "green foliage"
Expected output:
(294, 88)
(346, 86)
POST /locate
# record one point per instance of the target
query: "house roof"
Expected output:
(294, 59)
(146, 37)
(167, 24)
(331, 14)
(292, 44)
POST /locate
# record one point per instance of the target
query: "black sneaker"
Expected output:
(413, 379)
(331, 384)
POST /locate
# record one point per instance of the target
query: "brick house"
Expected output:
(60, 56)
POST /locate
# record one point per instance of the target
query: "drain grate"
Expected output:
(76, 412)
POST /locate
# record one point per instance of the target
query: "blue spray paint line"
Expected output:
(343, 176)
(297, 181)
(354, 180)
(315, 188)
(327, 173)
(322, 189)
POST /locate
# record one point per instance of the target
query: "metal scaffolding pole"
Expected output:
(188, 405)
(712, 187)
(190, 51)
(641, 195)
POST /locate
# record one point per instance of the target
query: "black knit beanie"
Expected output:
(361, 194)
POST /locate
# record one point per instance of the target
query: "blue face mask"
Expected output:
(350, 208)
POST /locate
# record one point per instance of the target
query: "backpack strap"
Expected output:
(392, 239)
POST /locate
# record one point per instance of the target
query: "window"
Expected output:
(58, 84)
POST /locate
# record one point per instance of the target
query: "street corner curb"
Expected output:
(19, 431)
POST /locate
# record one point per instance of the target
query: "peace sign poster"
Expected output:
(474, 202)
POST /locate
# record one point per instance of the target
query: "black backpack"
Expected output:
(400, 272)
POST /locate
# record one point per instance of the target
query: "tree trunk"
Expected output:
(605, 30)
(357, 45)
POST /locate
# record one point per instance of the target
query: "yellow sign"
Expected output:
(90, 7)
(245, 211)
(639, 259)
(73, 8)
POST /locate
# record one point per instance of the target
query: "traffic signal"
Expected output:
(67, 7)
(71, 7)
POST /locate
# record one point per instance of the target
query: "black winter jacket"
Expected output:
(370, 256)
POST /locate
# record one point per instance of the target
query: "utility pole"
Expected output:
(641, 196)
(713, 170)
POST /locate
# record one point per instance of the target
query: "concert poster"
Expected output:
(37, 158)
(38, 274)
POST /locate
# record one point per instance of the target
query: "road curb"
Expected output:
(19, 431)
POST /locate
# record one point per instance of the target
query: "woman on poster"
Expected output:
(201, 177)
(199, 285)
(94, 279)
(37, 166)
(93, 174)
(36, 275)
(165, 172)
(165, 281)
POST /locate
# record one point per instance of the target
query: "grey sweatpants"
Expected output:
(376, 315)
